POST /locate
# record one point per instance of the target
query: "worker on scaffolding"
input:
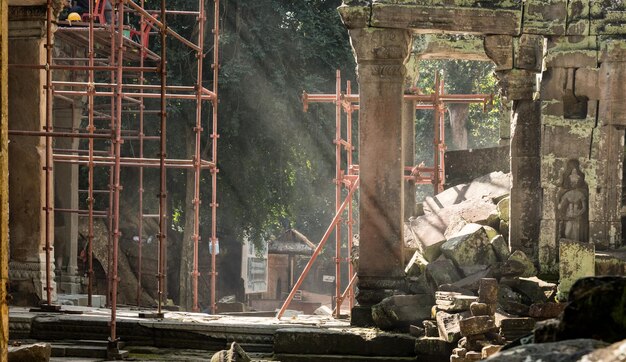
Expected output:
(82, 7)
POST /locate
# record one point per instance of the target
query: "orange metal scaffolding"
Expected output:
(116, 65)
(419, 174)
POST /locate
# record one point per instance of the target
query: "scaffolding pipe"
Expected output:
(90, 128)
(140, 190)
(318, 249)
(338, 186)
(48, 155)
(350, 221)
(162, 155)
(215, 170)
(116, 169)
(197, 156)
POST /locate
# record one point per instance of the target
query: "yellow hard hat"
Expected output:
(73, 17)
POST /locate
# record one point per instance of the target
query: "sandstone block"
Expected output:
(400, 311)
(430, 328)
(453, 302)
(595, 309)
(546, 310)
(442, 271)
(476, 325)
(503, 208)
(480, 309)
(500, 247)
(576, 260)
(521, 262)
(38, 352)
(488, 291)
(499, 48)
(448, 325)
(469, 247)
(490, 350)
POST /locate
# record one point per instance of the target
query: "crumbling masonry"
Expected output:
(560, 66)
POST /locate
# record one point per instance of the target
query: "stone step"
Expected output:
(332, 358)
(359, 344)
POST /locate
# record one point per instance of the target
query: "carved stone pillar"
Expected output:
(66, 191)
(27, 155)
(408, 137)
(518, 61)
(4, 184)
(380, 54)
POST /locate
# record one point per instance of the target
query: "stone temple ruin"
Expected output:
(561, 68)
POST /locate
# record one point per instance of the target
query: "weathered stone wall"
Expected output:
(4, 182)
(463, 166)
(26, 179)
(561, 69)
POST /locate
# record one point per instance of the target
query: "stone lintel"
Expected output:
(438, 19)
(444, 46)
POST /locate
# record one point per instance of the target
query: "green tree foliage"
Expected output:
(277, 162)
(461, 77)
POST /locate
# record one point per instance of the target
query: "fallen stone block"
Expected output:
(576, 260)
(400, 311)
(416, 331)
(503, 209)
(611, 262)
(501, 248)
(492, 187)
(470, 246)
(433, 349)
(441, 272)
(478, 309)
(416, 266)
(490, 350)
(473, 356)
(234, 354)
(595, 310)
(569, 350)
(522, 265)
(514, 328)
(430, 328)
(471, 282)
(533, 290)
(428, 233)
(448, 325)
(459, 352)
(467, 270)
(453, 302)
(38, 352)
(476, 325)
(488, 291)
(613, 353)
(546, 310)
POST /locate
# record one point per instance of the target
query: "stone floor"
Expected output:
(80, 334)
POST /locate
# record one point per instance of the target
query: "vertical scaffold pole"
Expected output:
(119, 78)
(162, 155)
(214, 170)
(48, 154)
(197, 155)
(90, 128)
(338, 186)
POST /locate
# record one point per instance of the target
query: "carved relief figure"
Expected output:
(573, 204)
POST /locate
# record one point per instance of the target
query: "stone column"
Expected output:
(408, 136)
(408, 147)
(66, 189)
(380, 55)
(518, 61)
(27, 154)
(4, 182)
